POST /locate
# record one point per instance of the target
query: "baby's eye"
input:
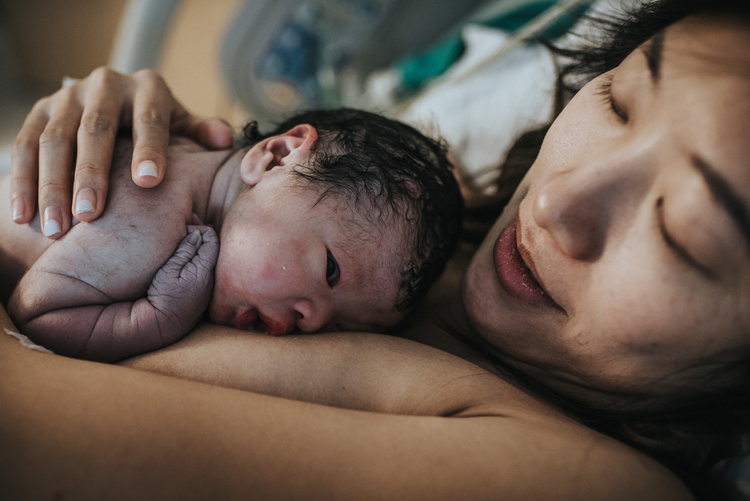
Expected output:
(332, 270)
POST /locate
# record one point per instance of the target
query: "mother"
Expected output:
(614, 289)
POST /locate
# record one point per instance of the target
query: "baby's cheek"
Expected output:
(269, 272)
(220, 309)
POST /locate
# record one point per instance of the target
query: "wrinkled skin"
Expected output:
(137, 279)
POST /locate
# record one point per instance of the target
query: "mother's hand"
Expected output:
(77, 125)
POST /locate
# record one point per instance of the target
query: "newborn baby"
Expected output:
(338, 220)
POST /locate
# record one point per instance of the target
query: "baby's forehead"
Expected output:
(364, 230)
(360, 221)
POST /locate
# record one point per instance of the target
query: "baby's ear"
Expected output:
(283, 151)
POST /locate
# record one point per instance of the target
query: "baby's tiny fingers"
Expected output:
(208, 253)
(186, 251)
(208, 234)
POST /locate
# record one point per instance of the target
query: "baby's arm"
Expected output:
(73, 318)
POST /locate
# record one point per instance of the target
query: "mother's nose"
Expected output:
(581, 208)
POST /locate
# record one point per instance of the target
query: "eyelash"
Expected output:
(605, 90)
(675, 247)
(331, 263)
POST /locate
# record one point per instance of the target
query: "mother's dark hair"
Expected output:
(702, 432)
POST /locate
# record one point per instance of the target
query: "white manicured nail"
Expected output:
(18, 207)
(84, 206)
(147, 168)
(51, 227)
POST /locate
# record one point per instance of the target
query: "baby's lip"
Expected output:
(274, 327)
(245, 317)
(249, 318)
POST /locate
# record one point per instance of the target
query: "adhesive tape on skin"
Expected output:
(68, 81)
(28, 343)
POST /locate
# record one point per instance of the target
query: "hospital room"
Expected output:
(375, 249)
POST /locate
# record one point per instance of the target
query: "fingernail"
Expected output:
(194, 237)
(147, 168)
(51, 224)
(85, 200)
(18, 208)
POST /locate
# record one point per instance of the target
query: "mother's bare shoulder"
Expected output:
(506, 438)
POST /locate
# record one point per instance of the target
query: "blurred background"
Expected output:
(470, 71)
(41, 41)
(231, 58)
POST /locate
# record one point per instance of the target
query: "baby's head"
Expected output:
(346, 220)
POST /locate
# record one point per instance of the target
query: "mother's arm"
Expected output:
(83, 430)
(358, 371)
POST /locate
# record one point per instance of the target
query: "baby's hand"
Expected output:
(182, 288)
(74, 321)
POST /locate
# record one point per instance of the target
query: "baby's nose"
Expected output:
(312, 315)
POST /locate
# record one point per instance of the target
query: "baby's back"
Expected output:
(119, 253)
(111, 260)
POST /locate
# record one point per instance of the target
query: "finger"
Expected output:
(96, 142)
(56, 156)
(200, 268)
(209, 242)
(185, 252)
(196, 221)
(25, 164)
(209, 235)
(216, 133)
(210, 132)
(208, 253)
(151, 114)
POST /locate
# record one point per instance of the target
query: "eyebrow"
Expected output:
(723, 193)
(653, 52)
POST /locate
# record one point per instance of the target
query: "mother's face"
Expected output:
(635, 221)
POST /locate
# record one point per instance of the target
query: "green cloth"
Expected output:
(418, 69)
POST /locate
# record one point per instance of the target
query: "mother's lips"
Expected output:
(513, 272)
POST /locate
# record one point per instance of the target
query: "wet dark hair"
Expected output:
(703, 431)
(392, 173)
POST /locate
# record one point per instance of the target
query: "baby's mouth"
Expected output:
(249, 318)
(245, 318)
(271, 326)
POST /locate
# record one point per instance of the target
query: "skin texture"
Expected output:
(649, 272)
(178, 295)
(87, 114)
(140, 283)
(111, 306)
(271, 273)
(461, 431)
